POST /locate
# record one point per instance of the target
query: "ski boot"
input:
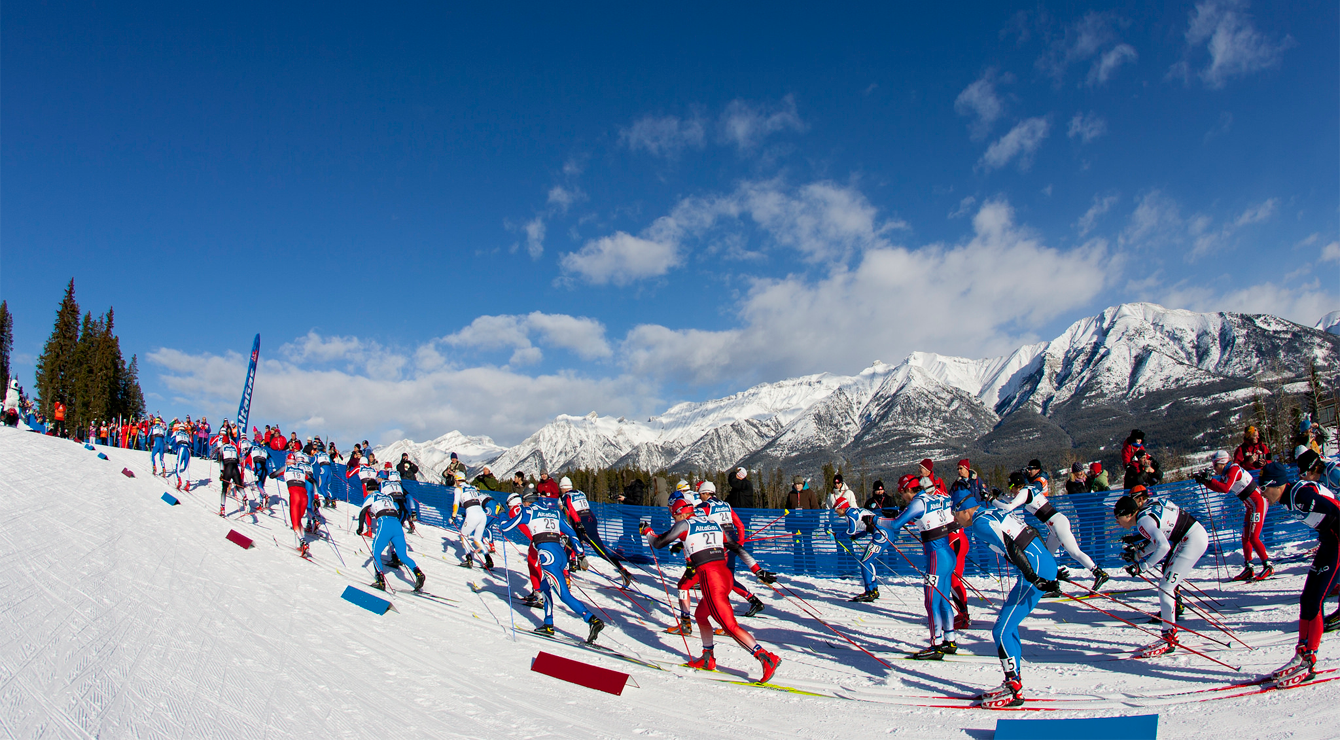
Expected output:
(488, 562)
(949, 647)
(222, 511)
(705, 662)
(962, 622)
(545, 630)
(380, 583)
(395, 560)
(596, 627)
(755, 606)
(419, 578)
(1177, 597)
(1266, 572)
(468, 562)
(930, 653)
(1167, 645)
(535, 600)
(769, 661)
(304, 551)
(1008, 694)
(685, 626)
(1331, 623)
(492, 547)
(865, 597)
(1302, 668)
(1100, 577)
(1247, 574)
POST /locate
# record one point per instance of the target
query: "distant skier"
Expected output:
(181, 444)
(1230, 477)
(578, 510)
(1173, 539)
(467, 505)
(324, 469)
(230, 471)
(157, 445)
(297, 476)
(1315, 504)
(381, 509)
(260, 468)
(934, 517)
(724, 514)
(514, 504)
(705, 545)
(544, 523)
(861, 523)
(1006, 534)
(394, 485)
(1031, 495)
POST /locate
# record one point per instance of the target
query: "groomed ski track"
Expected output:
(124, 617)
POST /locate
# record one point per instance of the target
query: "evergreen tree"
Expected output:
(132, 398)
(6, 342)
(56, 367)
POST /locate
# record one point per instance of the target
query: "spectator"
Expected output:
(547, 486)
(928, 471)
(453, 466)
(1038, 479)
(1078, 482)
(294, 444)
(841, 492)
(1144, 471)
(1098, 478)
(1134, 443)
(1252, 454)
(800, 495)
(518, 481)
(660, 491)
(406, 468)
(485, 481)
(58, 415)
(633, 493)
(967, 484)
(335, 455)
(202, 437)
(879, 500)
(741, 494)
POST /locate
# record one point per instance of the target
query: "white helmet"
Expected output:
(706, 487)
(564, 484)
(459, 476)
(683, 485)
(1220, 458)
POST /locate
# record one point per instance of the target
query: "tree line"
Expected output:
(82, 367)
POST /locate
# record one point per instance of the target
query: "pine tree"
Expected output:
(6, 342)
(56, 367)
(132, 397)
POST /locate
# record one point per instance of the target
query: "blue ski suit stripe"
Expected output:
(1021, 602)
(553, 566)
(389, 533)
(940, 561)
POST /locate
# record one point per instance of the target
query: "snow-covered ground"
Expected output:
(125, 617)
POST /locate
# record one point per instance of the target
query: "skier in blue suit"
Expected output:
(935, 521)
(386, 517)
(1006, 533)
(543, 521)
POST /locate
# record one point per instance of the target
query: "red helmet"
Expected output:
(906, 482)
(680, 506)
(292, 458)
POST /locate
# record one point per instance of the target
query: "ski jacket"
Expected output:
(1252, 456)
(1234, 480)
(841, 493)
(542, 521)
(723, 514)
(1163, 525)
(933, 514)
(1032, 500)
(1314, 504)
(704, 542)
(576, 506)
(1006, 533)
(965, 487)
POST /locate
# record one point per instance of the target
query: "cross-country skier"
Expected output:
(230, 471)
(260, 468)
(1032, 497)
(934, 517)
(1230, 477)
(381, 509)
(514, 504)
(1311, 501)
(1006, 533)
(157, 446)
(323, 468)
(363, 469)
(578, 510)
(724, 514)
(181, 444)
(967, 483)
(394, 485)
(1174, 539)
(544, 522)
(297, 476)
(467, 506)
(705, 545)
(861, 523)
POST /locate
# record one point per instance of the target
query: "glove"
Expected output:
(1046, 586)
(677, 548)
(1128, 554)
(644, 528)
(1134, 570)
(1202, 478)
(766, 576)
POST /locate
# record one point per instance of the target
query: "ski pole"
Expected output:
(669, 604)
(1200, 591)
(925, 579)
(769, 524)
(1112, 598)
(858, 560)
(963, 579)
(1218, 551)
(1207, 618)
(831, 629)
(1191, 650)
(507, 575)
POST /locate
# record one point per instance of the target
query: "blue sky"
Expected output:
(476, 219)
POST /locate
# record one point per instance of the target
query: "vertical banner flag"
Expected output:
(244, 407)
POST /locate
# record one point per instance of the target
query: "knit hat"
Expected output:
(1307, 459)
(965, 464)
(1076, 467)
(1125, 506)
(1034, 464)
(928, 464)
(799, 479)
(837, 479)
(1095, 468)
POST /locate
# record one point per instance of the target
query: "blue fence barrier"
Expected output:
(813, 542)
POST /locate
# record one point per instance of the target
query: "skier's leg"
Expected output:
(297, 503)
(958, 543)
(736, 587)
(552, 562)
(716, 586)
(398, 541)
(873, 549)
(945, 609)
(533, 568)
(1321, 579)
(1258, 507)
(1060, 529)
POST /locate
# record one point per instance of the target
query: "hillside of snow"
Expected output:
(1081, 391)
(125, 617)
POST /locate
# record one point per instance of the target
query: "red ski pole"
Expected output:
(1193, 651)
(834, 631)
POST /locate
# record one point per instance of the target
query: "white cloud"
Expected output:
(664, 136)
(1300, 302)
(1157, 222)
(563, 198)
(1258, 213)
(746, 124)
(1087, 127)
(535, 229)
(1093, 35)
(1021, 142)
(1101, 205)
(316, 348)
(961, 299)
(1224, 30)
(583, 336)
(981, 102)
(964, 207)
(349, 405)
(1330, 252)
(1107, 64)
(621, 258)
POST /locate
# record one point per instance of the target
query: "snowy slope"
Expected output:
(125, 617)
(1330, 323)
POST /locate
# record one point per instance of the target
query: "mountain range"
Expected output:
(1185, 378)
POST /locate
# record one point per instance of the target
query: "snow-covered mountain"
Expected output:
(432, 457)
(1330, 323)
(1171, 372)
